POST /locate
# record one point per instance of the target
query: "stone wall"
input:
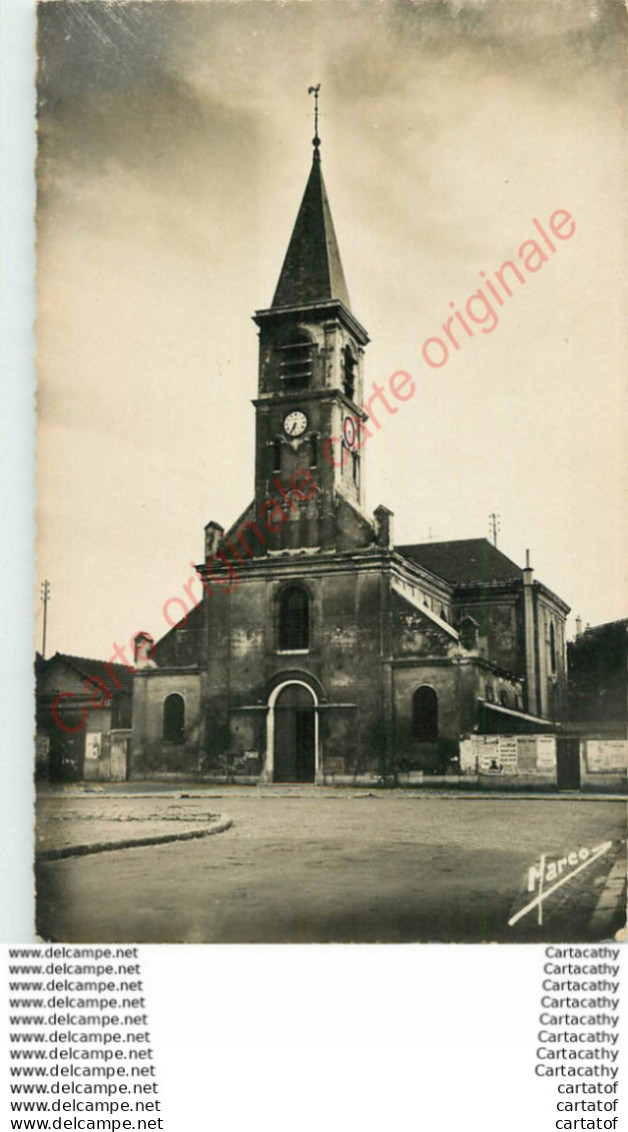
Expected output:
(498, 611)
(342, 666)
(604, 763)
(151, 755)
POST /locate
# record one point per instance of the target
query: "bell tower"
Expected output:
(310, 388)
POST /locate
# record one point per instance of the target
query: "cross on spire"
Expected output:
(316, 141)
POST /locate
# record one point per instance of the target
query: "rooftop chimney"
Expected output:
(383, 526)
(530, 654)
(213, 535)
(528, 572)
(143, 645)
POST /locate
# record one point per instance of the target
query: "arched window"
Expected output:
(295, 367)
(425, 715)
(174, 718)
(348, 372)
(356, 467)
(277, 455)
(294, 619)
(552, 644)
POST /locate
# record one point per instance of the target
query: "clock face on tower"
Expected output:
(295, 423)
(350, 432)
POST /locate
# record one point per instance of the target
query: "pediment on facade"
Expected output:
(416, 606)
(418, 631)
(353, 526)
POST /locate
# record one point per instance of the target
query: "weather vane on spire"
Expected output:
(316, 141)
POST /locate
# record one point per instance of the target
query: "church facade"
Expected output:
(321, 652)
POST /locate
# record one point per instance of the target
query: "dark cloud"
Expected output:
(98, 45)
(117, 80)
(94, 46)
(142, 129)
(516, 30)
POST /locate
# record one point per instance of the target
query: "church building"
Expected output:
(321, 651)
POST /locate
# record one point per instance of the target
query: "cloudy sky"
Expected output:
(174, 146)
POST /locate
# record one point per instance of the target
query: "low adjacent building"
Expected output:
(83, 718)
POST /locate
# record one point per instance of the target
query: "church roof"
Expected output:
(312, 270)
(464, 560)
(606, 627)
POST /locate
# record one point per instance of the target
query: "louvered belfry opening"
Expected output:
(348, 377)
(296, 362)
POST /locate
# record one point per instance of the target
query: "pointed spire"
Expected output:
(312, 270)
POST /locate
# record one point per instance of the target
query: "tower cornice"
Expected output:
(315, 312)
(267, 400)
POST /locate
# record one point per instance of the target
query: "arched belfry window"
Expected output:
(355, 461)
(174, 718)
(294, 619)
(277, 455)
(425, 715)
(349, 366)
(295, 361)
(552, 645)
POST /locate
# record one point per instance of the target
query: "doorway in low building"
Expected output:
(294, 734)
(119, 755)
(568, 762)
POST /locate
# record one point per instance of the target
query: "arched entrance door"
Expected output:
(294, 734)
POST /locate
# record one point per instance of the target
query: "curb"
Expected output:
(610, 898)
(131, 843)
(343, 792)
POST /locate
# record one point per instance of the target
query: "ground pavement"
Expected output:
(329, 866)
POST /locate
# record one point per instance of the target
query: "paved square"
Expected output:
(335, 867)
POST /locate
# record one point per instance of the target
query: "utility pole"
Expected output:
(494, 525)
(45, 594)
